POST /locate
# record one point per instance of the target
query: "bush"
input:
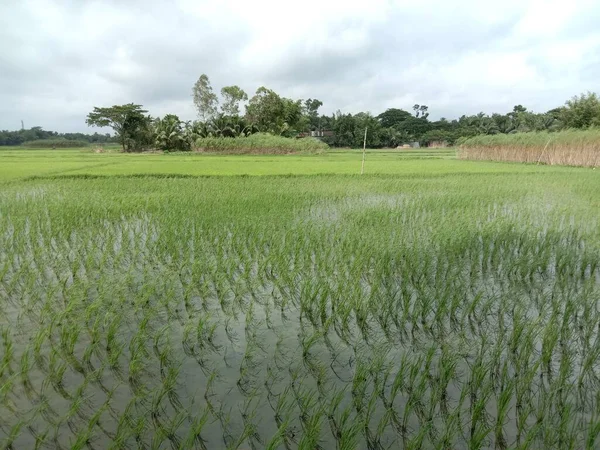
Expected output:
(260, 143)
(55, 143)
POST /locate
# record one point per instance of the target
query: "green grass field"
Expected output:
(146, 301)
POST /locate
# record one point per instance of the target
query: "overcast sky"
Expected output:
(58, 59)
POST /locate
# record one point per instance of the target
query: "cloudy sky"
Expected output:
(59, 58)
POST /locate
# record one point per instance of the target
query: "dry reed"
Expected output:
(569, 148)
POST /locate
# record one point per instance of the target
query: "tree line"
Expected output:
(267, 111)
(22, 136)
(220, 115)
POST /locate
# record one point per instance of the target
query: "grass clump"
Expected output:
(568, 147)
(260, 143)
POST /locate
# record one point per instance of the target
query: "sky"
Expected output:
(60, 58)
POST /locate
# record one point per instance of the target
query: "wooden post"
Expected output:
(362, 167)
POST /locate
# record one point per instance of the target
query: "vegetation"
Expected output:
(56, 143)
(16, 163)
(25, 136)
(259, 143)
(268, 112)
(429, 310)
(129, 122)
(569, 147)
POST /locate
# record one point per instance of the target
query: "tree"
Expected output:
(270, 112)
(393, 117)
(169, 133)
(437, 136)
(364, 120)
(128, 121)
(582, 111)
(311, 109)
(232, 97)
(415, 127)
(421, 111)
(344, 128)
(205, 99)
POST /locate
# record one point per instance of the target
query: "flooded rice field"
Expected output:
(300, 313)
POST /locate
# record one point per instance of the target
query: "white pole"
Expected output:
(362, 167)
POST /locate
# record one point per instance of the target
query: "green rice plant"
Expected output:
(24, 373)
(12, 436)
(7, 354)
(312, 430)
(194, 437)
(279, 438)
(456, 302)
(593, 432)
(172, 426)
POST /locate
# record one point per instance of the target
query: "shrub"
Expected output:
(260, 143)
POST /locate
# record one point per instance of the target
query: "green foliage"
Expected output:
(232, 97)
(129, 122)
(392, 117)
(55, 143)
(582, 111)
(205, 100)
(269, 111)
(259, 143)
(433, 136)
(169, 134)
(38, 133)
(311, 110)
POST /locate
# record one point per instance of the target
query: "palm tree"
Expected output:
(169, 134)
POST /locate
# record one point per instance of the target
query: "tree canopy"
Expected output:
(205, 100)
(232, 97)
(128, 121)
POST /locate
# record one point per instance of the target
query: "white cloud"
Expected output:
(59, 58)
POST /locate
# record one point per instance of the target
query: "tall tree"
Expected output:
(311, 109)
(232, 97)
(392, 117)
(205, 99)
(267, 110)
(128, 121)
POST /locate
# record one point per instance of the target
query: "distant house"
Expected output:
(319, 134)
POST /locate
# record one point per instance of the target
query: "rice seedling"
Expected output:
(454, 306)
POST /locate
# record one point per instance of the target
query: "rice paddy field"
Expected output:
(286, 302)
